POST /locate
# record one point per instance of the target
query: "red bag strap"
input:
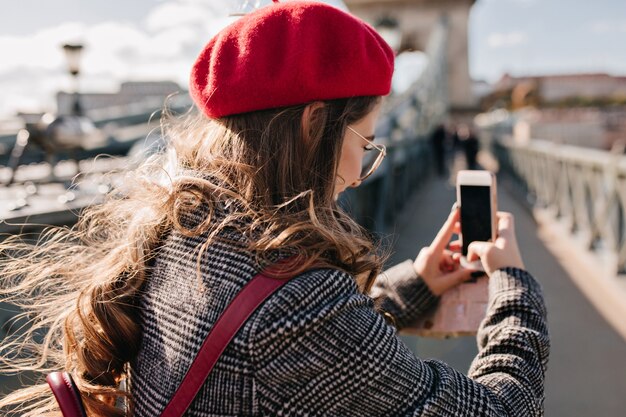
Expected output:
(252, 295)
(66, 394)
(238, 311)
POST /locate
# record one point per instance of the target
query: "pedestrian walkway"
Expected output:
(587, 369)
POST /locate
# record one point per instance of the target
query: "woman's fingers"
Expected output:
(450, 261)
(445, 233)
(503, 252)
(451, 257)
(439, 263)
(506, 224)
(455, 245)
(450, 280)
(478, 250)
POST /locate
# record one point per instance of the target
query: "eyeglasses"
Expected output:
(373, 162)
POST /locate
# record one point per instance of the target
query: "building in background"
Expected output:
(414, 20)
(578, 127)
(586, 110)
(568, 90)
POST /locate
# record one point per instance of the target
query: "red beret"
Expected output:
(290, 53)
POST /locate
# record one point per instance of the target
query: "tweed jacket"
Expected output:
(318, 347)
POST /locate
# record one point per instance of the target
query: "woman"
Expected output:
(289, 95)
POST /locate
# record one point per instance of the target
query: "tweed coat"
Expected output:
(318, 347)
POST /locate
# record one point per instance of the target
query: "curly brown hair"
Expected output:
(79, 286)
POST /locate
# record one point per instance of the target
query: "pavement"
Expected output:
(587, 368)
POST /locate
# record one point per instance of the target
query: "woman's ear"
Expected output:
(308, 117)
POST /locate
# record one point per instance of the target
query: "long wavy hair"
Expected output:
(78, 287)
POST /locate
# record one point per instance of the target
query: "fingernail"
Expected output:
(454, 207)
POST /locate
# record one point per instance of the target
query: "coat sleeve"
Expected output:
(402, 294)
(319, 348)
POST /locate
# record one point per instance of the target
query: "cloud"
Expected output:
(505, 40)
(607, 26)
(34, 68)
(40, 50)
(520, 2)
(161, 47)
(177, 13)
(22, 89)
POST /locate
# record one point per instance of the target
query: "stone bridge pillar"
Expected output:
(416, 19)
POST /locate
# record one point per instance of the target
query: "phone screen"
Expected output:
(475, 214)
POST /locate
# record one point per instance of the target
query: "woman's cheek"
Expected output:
(350, 164)
(356, 166)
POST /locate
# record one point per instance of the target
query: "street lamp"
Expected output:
(65, 133)
(72, 53)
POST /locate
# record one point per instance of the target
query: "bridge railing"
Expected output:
(405, 125)
(585, 189)
(120, 126)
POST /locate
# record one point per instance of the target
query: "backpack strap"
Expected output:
(252, 295)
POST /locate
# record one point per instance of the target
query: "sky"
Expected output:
(529, 37)
(159, 39)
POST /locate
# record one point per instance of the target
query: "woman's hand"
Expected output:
(502, 253)
(438, 266)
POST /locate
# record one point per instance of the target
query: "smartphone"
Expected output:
(461, 309)
(476, 197)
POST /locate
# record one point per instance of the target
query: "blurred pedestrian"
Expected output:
(470, 145)
(438, 145)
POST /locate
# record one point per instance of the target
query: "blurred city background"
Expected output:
(532, 90)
